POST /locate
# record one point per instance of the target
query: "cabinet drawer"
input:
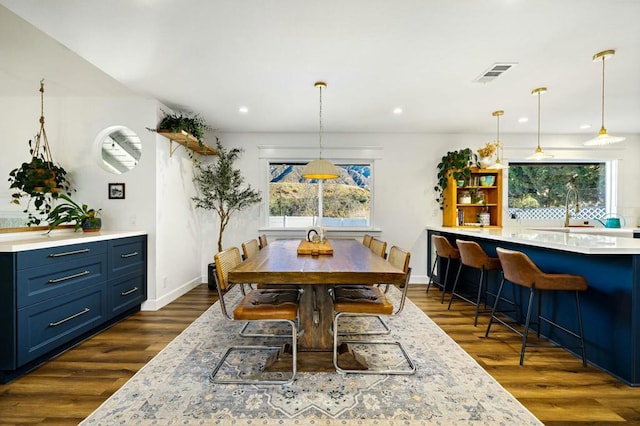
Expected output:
(126, 292)
(45, 326)
(39, 284)
(55, 255)
(127, 255)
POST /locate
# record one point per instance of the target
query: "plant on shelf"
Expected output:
(40, 179)
(456, 164)
(190, 123)
(486, 153)
(81, 216)
(221, 187)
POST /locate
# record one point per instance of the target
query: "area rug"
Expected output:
(449, 387)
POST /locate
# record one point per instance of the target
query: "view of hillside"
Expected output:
(348, 196)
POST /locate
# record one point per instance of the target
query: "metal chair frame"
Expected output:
(293, 336)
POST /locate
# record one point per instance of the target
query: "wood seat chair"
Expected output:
(366, 240)
(519, 269)
(444, 250)
(256, 305)
(474, 257)
(378, 247)
(250, 248)
(371, 301)
(262, 240)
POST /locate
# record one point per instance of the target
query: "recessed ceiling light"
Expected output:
(243, 110)
(397, 111)
(523, 119)
(585, 126)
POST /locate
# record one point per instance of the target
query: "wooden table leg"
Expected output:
(316, 316)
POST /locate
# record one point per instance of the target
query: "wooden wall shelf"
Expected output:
(188, 141)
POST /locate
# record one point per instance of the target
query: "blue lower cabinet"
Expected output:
(126, 292)
(47, 325)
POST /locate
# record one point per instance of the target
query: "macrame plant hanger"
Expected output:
(42, 134)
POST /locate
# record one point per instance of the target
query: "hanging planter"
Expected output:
(40, 180)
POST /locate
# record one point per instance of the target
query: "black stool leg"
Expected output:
(526, 325)
(495, 305)
(480, 285)
(446, 277)
(584, 351)
(433, 268)
(455, 284)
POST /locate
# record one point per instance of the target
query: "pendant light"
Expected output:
(320, 169)
(603, 137)
(498, 165)
(539, 154)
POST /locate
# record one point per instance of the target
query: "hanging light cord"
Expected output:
(538, 121)
(602, 92)
(320, 87)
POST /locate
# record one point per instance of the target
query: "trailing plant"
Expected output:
(221, 187)
(457, 164)
(42, 181)
(190, 123)
(69, 211)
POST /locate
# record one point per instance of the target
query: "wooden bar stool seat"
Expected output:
(473, 256)
(444, 250)
(519, 269)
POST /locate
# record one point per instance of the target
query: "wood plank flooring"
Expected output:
(552, 383)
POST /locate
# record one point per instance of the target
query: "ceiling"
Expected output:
(213, 56)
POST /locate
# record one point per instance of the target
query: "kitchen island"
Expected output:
(611, 305)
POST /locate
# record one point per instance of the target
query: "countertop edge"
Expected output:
(62, 238)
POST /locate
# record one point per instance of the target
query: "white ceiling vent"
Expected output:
(494, 71)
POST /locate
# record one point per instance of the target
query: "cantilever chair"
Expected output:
(250, 248)
(378, 247)
(256, 305)
(519, 269)
(366, 240)
(371, 301)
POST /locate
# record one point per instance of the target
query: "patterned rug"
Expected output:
(449, 387)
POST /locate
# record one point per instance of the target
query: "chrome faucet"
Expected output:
(571, 191)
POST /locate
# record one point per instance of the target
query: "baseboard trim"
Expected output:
(155, 304)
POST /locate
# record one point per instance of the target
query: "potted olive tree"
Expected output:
(222, 189)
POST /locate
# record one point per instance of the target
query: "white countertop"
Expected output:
(22, 241)
(558, 239)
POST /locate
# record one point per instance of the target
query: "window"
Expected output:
(293, 200)
(539, 190)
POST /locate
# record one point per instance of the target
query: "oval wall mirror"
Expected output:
(119, 149)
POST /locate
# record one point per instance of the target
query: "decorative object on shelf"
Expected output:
(487, 180)
(320, 169)
(69, 211)
(116, 191)
(41, 179)
(539, 154)
(484, 217)
(186, 129)
(220, 187)
(603, 137)
(498, 165)
(457, 164)
(486, 154)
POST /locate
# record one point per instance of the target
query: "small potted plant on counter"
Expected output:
(71, 212)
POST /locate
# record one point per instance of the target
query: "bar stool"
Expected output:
(444, 250)
(473, 256)
(520, 270)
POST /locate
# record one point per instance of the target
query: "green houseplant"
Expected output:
(221, 187)
(457, 164)
(69, 211)
(41, 181)
(190, 123)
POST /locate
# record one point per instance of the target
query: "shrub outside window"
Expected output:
(539, 190)
(293, 200)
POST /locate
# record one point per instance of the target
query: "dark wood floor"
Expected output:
(552, 383)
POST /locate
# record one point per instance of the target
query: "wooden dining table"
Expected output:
(351, 263)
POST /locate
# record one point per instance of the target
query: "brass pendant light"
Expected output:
(603, 137)
(320, 169)
(539, 154)
(499, 165)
